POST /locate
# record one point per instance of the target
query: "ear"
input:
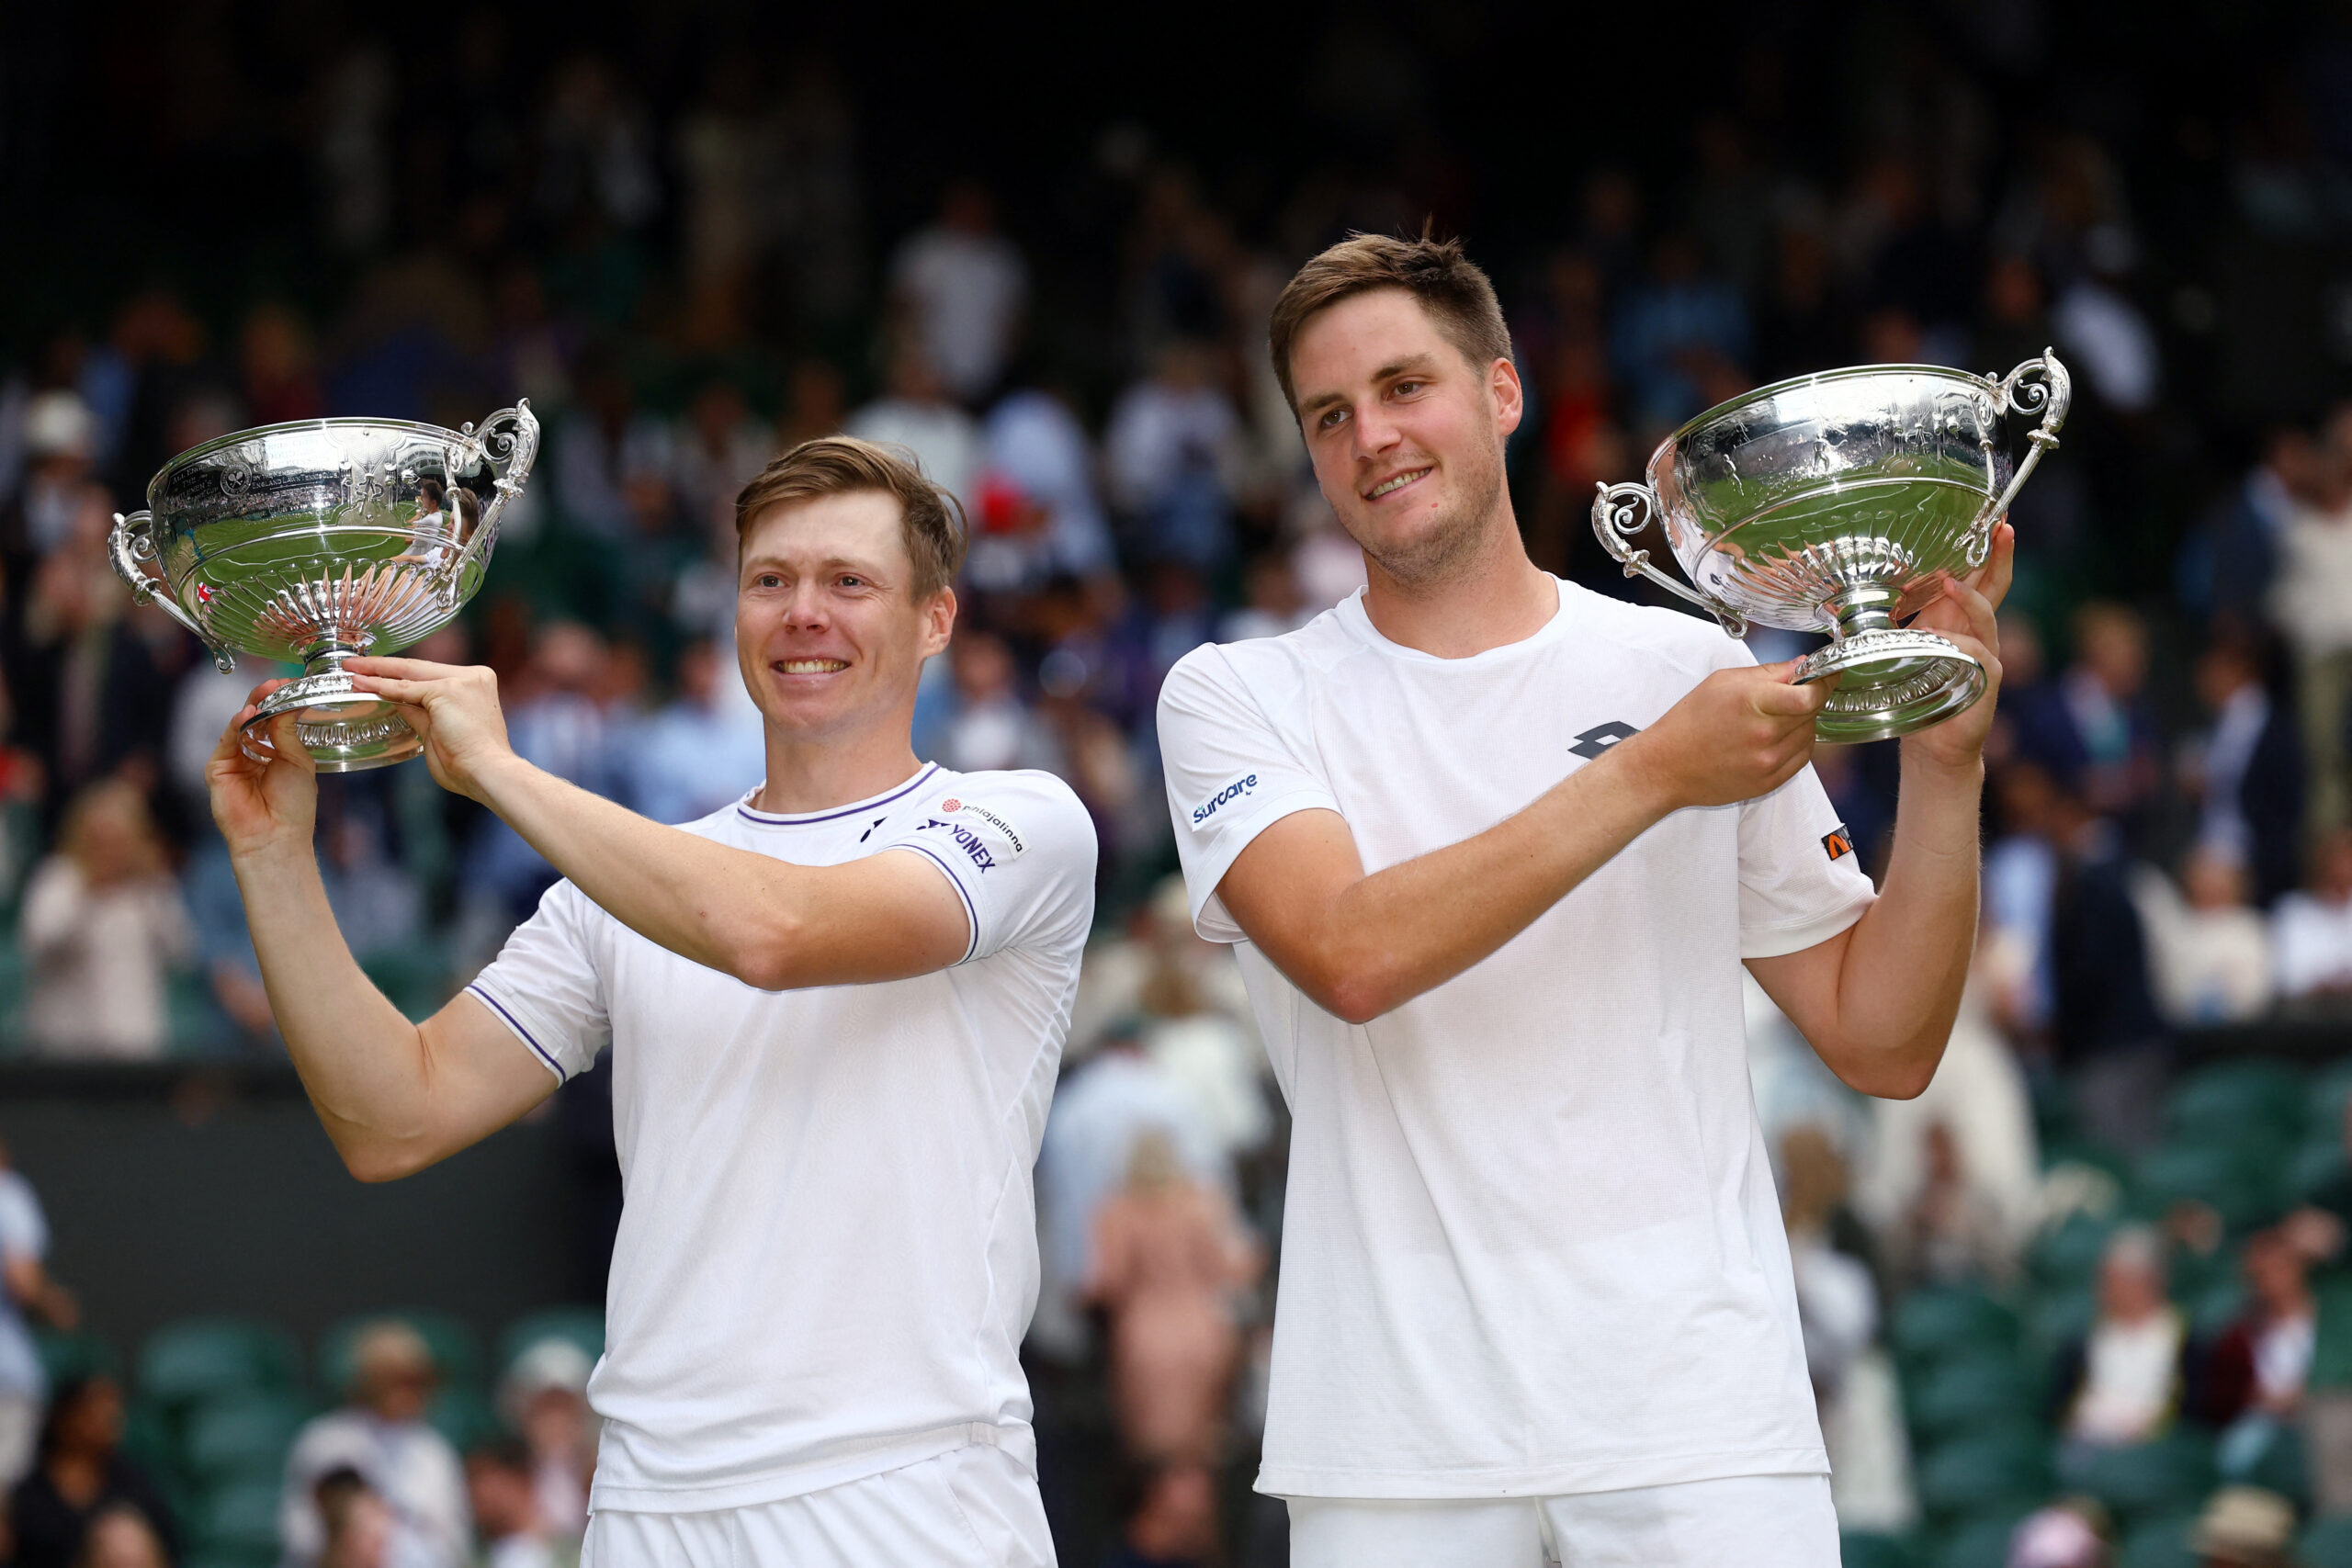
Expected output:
(1510, 398)
(939, 622)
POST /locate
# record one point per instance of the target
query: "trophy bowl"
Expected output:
(319, 541)
(1838, 503)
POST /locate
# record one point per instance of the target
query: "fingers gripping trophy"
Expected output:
(1838, 503)
(321, 541)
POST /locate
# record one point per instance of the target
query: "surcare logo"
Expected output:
(966, 840)
(1239, 788)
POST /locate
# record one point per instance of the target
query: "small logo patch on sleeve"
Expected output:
(1839, 842)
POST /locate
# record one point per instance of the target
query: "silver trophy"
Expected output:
(320, 541)
(1837, 503)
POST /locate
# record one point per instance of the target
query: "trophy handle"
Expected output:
(1621, 511)
(132, 543)
(508, 442)
(2051, 395)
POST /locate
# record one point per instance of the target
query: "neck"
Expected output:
(812, 774)
(1495, 598)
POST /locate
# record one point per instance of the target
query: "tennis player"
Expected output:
(1491, 849)
(835, 1013)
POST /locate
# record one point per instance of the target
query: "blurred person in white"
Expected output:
(2311, 603)
(992, 727)
(1170, 451)
(2125, 1382)
(1949, 1179)
(1169, 1254)
(122, 1536)
(961, 286)
(701, 751)
(101, 925)
(26, 1292)
(1158, 934)
(2059, 1536)
(2208, 949)
(845, 993)
(381, 1434)
(61, 442)
(1493, 849)
(1035, 441)
(507, 1516)
(915, 414)
(2245, 772)
(544, 1396)
(2312, 931)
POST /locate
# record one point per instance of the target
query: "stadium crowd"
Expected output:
(2080, 1303)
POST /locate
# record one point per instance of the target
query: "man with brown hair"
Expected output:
(831, 1061)
(1491, 849)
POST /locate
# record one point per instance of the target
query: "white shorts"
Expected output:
(973, 1508)
(1755, 1521)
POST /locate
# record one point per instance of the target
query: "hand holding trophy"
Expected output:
(321, 541)
(1834, 502)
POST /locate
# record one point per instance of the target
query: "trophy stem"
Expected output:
(1890, 679)
(345, 729)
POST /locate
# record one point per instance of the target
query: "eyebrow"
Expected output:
(1422, 364)
(830, 563)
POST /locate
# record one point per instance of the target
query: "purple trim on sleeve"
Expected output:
(971, 910)
(515, 1024)
(770, 820)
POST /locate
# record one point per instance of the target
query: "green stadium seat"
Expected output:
(2326, 1543)
(2057, 1318)
(2323, 1105)
(1982, 1541)
(80, 1354)
(1868, 1549)
(456, 1348)
(238, 1523)
(2317, 1162)
(584, 1326)
(242, 1437)
(1975, 1476)
(2143, 1481)
(2159, 1543)
(1941, 1323)
(2069, 1254)
(2242, 1179)
(461, 1414)
(1970, 1394)
(2224, 1101)
(414, 977)
(198, 1359)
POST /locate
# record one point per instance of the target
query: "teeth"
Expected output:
(812, 665)
(1400, 482)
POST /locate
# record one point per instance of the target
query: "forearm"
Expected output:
(1906, 960)
(1390, 936)
(362, 1062)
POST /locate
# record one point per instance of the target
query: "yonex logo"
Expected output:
(970, 842)
(1234, 791)
(1600, 739)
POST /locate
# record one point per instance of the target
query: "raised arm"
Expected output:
(1361, 945)
(394, 1096)
(764, 922)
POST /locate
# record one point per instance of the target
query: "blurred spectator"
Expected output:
(2229, 559)
(1680, 338)
(992, 728)
(963, 286)
(82, 1476)
(1836, 1301)
(2311, 931)
(277, 373)
(1168, 1255)
(60, 444)
(380, 1440)
(1036, 442)
(2244, 1526)
(720, 450)
(26, 1290)
(915, 415)
(2310, 603)
(2252, 1386)
(1270, 606)
(1169, 452)
(2208, 949)
(601, 448)
(1172, 1520)
(544, 1396)
(2093, 727)
(813, 404)
(557, 722)
(122, 1536)
(2124, 1385)
(2059, 1536)
(2247, 772)
(102, 922)
(703, 752)
(225, 947)
(498, 1488)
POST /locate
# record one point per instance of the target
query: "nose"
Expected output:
(1375, 432)
(805, 609)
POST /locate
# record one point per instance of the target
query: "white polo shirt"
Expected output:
(1531, 1243)
(828, 1248)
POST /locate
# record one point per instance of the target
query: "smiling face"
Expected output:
(828, 626)
(1406, 435)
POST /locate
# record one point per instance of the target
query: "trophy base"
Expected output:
(346, 730)
(1892, 682)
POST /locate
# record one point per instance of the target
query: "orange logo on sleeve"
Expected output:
(1839, 842)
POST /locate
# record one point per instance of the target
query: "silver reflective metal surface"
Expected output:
(1834, 502)
(320, 540)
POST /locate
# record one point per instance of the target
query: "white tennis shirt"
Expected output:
(828, 1248)
(1530, 1243)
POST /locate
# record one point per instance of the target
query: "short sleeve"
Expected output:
(1801, 877)
(23, 1230)
(1231, 775)
(545, 984)
(1019, 849)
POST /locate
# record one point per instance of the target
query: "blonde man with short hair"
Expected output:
(836, 1009)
